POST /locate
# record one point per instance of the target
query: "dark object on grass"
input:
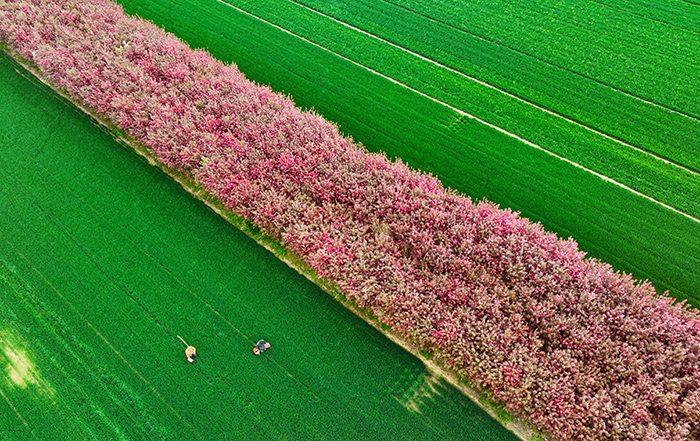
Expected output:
(260, 347)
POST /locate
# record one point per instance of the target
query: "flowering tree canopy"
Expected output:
(578, 349)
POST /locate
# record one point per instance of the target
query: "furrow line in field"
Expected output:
(103, 126)
(495, 88)
(89, 256)
(15, 411)
(120, 286)
(468, 115)
(53, 327)
(132, 296)
(521, 429)
(544, 61)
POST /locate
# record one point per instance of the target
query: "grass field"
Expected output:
(419, 27)
(582, 115)
(104, 259)
(646, 58)
(351, 78)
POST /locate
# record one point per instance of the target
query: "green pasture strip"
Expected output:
(610, 223)
(105, 259)
(69, 370)
(645, 58)
(673, 13)
(664, 182)
(561, 90)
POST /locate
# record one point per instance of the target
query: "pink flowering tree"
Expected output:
(580, 350)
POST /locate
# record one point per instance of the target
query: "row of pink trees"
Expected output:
(580, 350)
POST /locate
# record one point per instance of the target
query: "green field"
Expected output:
(478, 56)
(666, 182)
(104, 259)
(617, 47)
(631, 233)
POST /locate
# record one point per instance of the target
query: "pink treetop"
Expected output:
(580, 350)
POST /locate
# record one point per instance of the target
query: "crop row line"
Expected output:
(55, 329)
(98, 122)
(494, 87)
(15, 410)
(128, 292)
(296, 189)
(467, 115)
(189, 290)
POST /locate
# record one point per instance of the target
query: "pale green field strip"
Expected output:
(646, 59)
(586, 101)
(104, 259)
(673, 186)
(610, 223)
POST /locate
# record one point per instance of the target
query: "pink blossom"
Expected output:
(581, 351)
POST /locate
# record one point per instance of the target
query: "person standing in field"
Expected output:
(260, 347)
(190, 351)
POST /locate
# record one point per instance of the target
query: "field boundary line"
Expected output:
(213, 205)
(517, 427)
(542, 60)
(496, 88)
(198, 196)
(470, 116)
(132, 296)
